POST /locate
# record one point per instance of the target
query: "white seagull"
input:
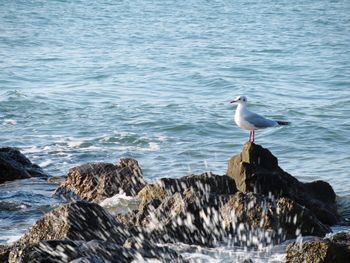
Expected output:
(251, 121)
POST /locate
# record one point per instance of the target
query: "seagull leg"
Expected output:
(253, 133)
(250, 136)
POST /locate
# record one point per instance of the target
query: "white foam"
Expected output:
(45, 164)
(153, 147)
(11, 239)
(10, 122)
(120, 204)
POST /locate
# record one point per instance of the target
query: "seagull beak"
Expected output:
(234, 101)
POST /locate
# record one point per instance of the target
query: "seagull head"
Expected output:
(240, 100)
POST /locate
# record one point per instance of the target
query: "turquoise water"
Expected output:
(85, 82)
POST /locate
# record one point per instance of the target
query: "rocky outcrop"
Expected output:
(200, 210)
(98, 181)
(205, 183)
(182, 210)
(256, 170)
(335, 249)
(83, 232)
(14, 165)
(187, 217)
(4, 253)
(255, 203)
(75, 221)
(62, 251)
(252, 220)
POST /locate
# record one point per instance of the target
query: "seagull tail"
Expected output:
(283, 122)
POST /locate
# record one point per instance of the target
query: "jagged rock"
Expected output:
(207, 187)
(76, 221)
(182, 210)
(205, 183)
(4, 252)
(150, 250)
(94, 251)
(252, 220)
(256, 170)
(152, 192)
(335, 249)
(97, 181)
(14, 165)
(189, 217)
(207, 208)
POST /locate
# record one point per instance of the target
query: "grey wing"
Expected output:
(259, 121)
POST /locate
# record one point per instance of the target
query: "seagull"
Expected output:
(251, 121)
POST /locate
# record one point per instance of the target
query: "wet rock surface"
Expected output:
(14, 165)
(83, 232)
(194, 210)
(76, 221)
(98, 181)
(62, 251)
(259, 220)
(255, 203)
(335, 249)
(256, 170)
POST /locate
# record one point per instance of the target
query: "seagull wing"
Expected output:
(259, 121)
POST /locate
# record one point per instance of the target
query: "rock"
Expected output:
(294, 218)
(76, 221)
(256, 170)
(94, 251)
(97, 181)
(14, 165)
(205, 183)
(152, 192)
(182, 210)
(4, 252)
(207, 208)
(335, 249)
(190, 217)
(176, 209)
(252, 220)
(150, 250)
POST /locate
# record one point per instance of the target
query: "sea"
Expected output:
(96, 81)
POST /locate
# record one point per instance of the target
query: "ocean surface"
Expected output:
(92, 81)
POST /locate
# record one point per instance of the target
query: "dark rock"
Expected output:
(294, 218)
(98, 181)
(204, 183)
(14, 165)
(252, 220)
(94, 251)
(190, 216)
(256, 170)
(4, 252)
(335, 249)
(207, 208)
(76, 221)
(150, 250)
(183, 209)
(152, 192)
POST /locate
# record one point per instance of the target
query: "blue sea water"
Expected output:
(88, 81)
